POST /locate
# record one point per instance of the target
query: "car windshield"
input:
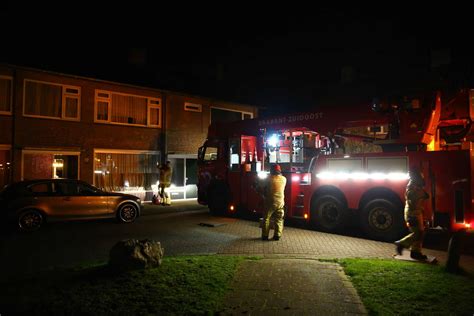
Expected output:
(88, 188)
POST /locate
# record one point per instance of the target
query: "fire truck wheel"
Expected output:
(382, 220)
(329, 213)
(218, 201)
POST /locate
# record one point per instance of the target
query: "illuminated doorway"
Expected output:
(184, 179)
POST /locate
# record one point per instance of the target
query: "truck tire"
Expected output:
(329, 213)
(381, 219)
(218, 201)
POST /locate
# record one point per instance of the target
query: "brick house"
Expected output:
(106, 133)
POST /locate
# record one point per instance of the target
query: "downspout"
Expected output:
(13, 146)
(163, 135)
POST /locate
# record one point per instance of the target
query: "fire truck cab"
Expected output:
(343, 171)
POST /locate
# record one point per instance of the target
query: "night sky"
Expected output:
(283, 59)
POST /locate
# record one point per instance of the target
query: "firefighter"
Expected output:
(165, 181)
(415, 196)
(274, 197)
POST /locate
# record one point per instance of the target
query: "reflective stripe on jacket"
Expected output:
(165, 176)
(414, 199)
(275, 191)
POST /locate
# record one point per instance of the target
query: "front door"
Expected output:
(184, 179)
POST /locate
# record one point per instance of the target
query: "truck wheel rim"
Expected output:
(381, 219)
(330, 212)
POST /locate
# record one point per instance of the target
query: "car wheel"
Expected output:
(30, 220)
(329, 213)
(381, 219)
(127, 213)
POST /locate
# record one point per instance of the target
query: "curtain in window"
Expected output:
(155, 116)
(72, 105)
(43, 99)
(129, 109)
(5, 96)
(118, 172)
(102, 110)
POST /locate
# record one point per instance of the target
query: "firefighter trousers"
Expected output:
(414, 240)
(164, 195)
(278, 215)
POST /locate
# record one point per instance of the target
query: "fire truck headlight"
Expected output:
(273, 140)
(295, 178)
(262, 175)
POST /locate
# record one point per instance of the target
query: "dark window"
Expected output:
(40, 188)
(65, 188)
(191, 171)
(459, 206)
(84, 189)
(178, 171)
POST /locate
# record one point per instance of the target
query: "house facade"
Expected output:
(109, 134)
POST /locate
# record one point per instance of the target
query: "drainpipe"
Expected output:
(163, 138)
(13, 146)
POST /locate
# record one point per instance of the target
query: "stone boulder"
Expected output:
(133, 254)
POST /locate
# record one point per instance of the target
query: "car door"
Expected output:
(76, 202)
(97, 201)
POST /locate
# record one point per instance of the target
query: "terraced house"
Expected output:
(112, 135)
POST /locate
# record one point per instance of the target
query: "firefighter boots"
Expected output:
(417, 255)
(399, 247)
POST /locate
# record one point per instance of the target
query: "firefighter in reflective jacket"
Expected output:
(165, 182)
(274, 196)
(415, 196)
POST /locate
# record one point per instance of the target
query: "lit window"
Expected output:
(120, 108)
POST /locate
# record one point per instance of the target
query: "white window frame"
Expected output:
(11, 94)
(104, 99)
(231, 110)
(71, 95)
(150, 105)
(192, 107)
(64, 95)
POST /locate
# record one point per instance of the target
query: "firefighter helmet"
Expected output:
(275, 169)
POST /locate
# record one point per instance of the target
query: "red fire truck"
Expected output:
(347, 166)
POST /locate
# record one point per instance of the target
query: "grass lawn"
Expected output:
(181, 285)
(187, 285)
(390, 287)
